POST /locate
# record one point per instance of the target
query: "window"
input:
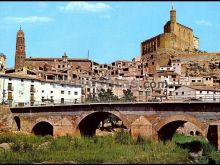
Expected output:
(75, 93)
(51, 99)
(200, 91)
(62, 92)
(42, 91)
(58, 66)
(88, 89)
(182, 93)
(42, 99)
(32, 81)
(193, 80)
(51, 91)
(22, 80)
(152, 63)
(10, 87)
(141, 93)
(62, 100)
(9, 79)
(207, 92)
(69, 92)
(176, 93)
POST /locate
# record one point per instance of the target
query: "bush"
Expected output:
(123, 138)
(140, 140)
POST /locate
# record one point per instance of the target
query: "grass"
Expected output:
(120, 148)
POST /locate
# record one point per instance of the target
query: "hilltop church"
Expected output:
(175, 37)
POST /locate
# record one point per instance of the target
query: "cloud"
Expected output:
(29, 19)
(204, 22)
(85, 6)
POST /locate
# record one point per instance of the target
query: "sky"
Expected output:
(109, 30)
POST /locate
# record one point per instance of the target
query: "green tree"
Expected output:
(107, 95)
(128, 96)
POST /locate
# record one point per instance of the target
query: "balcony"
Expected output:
(32, 89)
(10, 88)
(10, 97)
(32, 99)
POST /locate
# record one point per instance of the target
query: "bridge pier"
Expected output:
(142, 127)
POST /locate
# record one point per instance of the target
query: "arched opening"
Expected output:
(167, 131)
(212, 135)
(198, 133)
(191, 133)
(101, 121)
(43, 128)
(180, 124)
(17, 121)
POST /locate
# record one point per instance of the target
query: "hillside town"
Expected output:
(170, 68)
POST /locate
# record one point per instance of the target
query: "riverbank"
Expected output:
(119, 148)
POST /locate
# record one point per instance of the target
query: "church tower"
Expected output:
(20, 54)
(172, 14)
(172, 18)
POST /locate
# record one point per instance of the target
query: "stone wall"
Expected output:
(6, 118)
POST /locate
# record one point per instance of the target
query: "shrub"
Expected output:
(122, 138)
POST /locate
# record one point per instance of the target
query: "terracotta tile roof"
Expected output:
(59, 59)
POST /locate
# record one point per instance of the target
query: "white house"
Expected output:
(196, 93)
(23, 90)
(176, 66)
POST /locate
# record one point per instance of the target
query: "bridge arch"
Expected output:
(88, 122)
(42, 127)
(18, 122)
(167, 126)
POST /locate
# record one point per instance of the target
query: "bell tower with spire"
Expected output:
(172, 14)
(172, 18)
(20, 53)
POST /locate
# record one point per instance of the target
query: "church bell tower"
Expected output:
(20, 53)
(172, 14)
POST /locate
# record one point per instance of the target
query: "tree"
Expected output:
(128, 95)
(107, 95)
(92, 98)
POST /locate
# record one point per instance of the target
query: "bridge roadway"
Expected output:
(152, 120)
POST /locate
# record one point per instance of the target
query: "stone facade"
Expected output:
(20, 53)
(63, 63)
(175, 36)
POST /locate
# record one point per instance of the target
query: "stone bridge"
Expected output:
(151, 120)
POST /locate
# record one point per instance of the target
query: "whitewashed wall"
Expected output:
(22, 91)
